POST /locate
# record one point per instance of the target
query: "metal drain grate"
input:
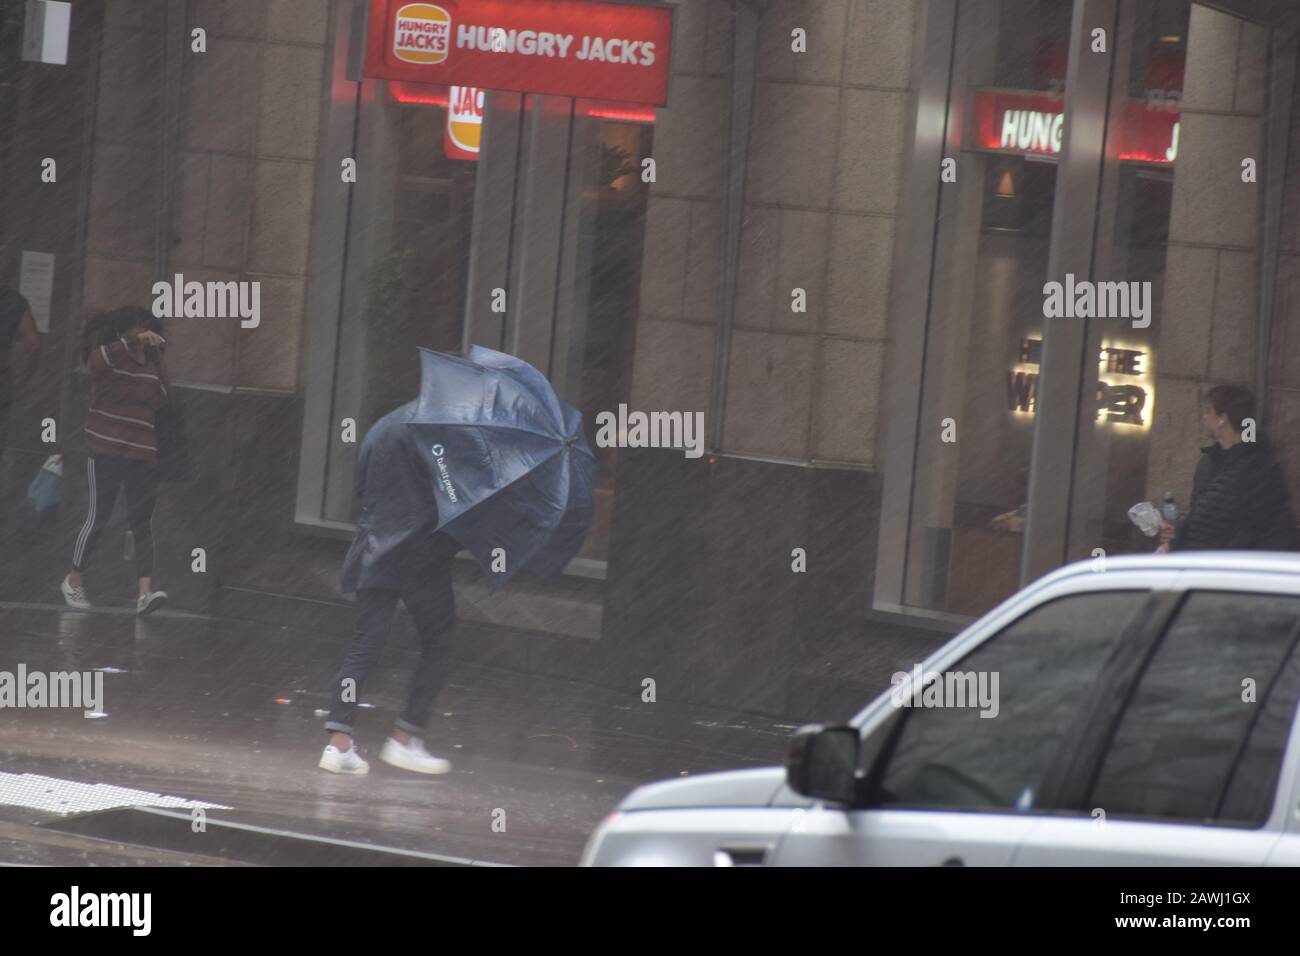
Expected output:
(55, 795)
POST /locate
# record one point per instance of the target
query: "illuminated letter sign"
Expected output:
(1123, 403)
(1034, 123)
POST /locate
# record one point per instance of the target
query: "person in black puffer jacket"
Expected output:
(1239, 494)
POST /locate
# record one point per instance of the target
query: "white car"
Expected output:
(1137, 712)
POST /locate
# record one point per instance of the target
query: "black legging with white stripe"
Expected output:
(106, 473)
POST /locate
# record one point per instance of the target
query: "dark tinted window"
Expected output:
(1254, 782)
(1192, 745)
(1046, 665)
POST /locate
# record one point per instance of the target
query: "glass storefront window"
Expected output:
(986, 311)
(1162, 221)
(407, 259)
(409, 245)
(592, 349)
(1143, 137)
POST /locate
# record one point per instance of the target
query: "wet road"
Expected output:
(223, 712)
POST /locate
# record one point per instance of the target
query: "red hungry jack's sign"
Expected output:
(607, 51)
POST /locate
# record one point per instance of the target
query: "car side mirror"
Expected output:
(823, 763)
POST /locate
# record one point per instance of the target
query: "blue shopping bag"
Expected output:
(45, 488)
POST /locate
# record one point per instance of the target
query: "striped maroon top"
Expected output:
(126, 389)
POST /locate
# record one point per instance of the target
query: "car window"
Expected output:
(1203, 736)
(1254, 782)
(1038, 674)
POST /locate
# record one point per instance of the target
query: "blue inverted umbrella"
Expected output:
(510, 464)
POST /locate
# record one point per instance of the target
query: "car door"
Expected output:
(961, 785)
(1286, 852)
(1190, 770)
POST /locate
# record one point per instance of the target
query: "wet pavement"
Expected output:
(225, 712)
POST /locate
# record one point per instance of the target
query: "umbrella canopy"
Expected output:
(510, 464)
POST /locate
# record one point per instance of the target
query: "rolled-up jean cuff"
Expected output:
(337, 728)
(410, 728)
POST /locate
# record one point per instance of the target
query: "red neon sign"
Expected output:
(607, 51)
(618, 112)
(1009, 121)
(418, 93)
(424, 94)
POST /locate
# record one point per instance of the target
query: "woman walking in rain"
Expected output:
(129, 383)
(488, 459)
(396, 555)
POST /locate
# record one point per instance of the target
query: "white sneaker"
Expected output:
(74, 595)
(336, 761)
(412, 757)
(150, 601)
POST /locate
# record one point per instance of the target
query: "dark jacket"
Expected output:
(396, 546)
(1239, 502)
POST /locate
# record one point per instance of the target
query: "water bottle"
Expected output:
(1169, 510)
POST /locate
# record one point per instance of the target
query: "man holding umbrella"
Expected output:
(396, 555)
(487, 458)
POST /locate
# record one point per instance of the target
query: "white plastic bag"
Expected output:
(45, 488)
(1146, 517)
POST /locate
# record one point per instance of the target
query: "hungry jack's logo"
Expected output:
(464, 122)
(422, 33)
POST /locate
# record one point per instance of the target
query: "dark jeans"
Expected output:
(433, 608)
(107, 473)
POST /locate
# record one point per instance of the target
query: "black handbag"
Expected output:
(173, 443)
